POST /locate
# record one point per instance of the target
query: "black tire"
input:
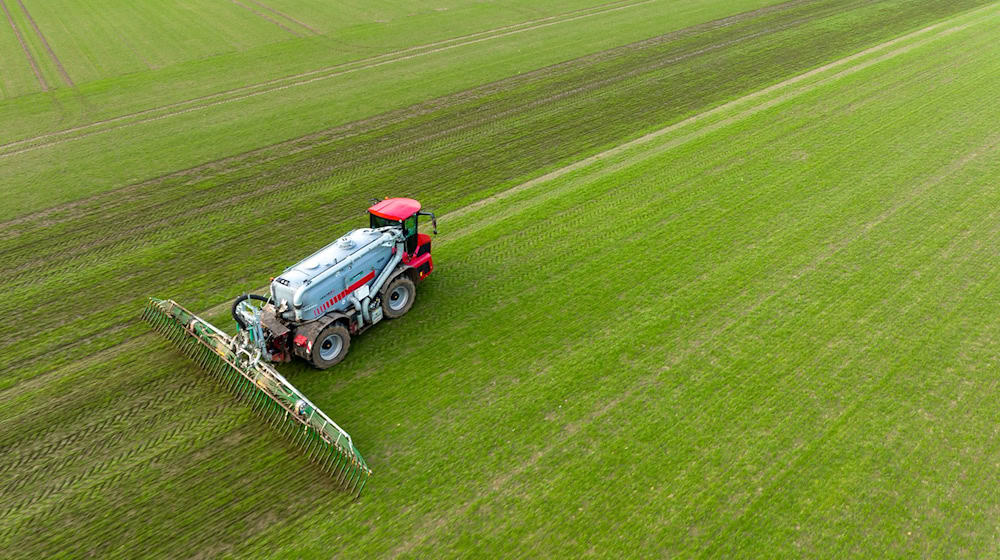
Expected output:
(332, 354)
(398, 297)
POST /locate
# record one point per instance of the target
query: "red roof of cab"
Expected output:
(395, 208)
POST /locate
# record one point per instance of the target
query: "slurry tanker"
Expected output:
(311, 312)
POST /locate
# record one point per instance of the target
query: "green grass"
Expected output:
(112, 38)
(84, 166)
(694, 377)
(456, 150)
(764, 333)
(179, 73)
(115, 37)
(16, 75)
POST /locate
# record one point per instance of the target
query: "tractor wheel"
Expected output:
(399, 297)
(330, 346)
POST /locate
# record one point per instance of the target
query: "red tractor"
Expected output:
(317, 305)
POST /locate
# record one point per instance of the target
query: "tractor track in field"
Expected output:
(73, 485)
(267, 18)
(436, 523)
(300, 23)
(617, 150)
(39, 353)
(716, 126)
(45, 43)
(301, 175)
(130, 234)
(364, 126)
(117, 465)
(24, 46)
(278, 84)
(164, 392)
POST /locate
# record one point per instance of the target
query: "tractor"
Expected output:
(312, 311)
(342, 290)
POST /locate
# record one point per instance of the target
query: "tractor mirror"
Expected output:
(434, 220)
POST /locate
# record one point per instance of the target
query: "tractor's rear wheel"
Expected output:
(399, 297)
(331, 346)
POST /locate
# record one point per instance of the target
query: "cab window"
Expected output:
(410, 226)
(380, 222)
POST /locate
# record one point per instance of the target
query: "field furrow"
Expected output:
(383, 160)
(228, 96)
(722, 291)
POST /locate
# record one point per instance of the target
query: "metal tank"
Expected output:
(320, 283)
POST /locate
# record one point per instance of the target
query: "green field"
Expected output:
(714, 279)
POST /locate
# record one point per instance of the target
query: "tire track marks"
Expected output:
(276, 220)
(474, 117)
(481, 116)
(179, 440)
(650, 137)
(41, 37)
(300, 23)
(393, 118)
(265, 17)
(436, 524)
(279, 84)
(140, 225)
(27, 52)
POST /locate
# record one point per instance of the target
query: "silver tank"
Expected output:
(324, 281)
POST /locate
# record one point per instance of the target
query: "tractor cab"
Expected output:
(405, 212)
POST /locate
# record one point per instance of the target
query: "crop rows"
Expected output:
(742, 379)
(229, 96)
(654, 346)
(797, 261)
(495, 151)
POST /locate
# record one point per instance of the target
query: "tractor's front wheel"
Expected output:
(330, 346)
(399, 297)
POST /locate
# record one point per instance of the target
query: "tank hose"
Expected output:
(241, 299)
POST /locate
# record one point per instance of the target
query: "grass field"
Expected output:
(212, 108)
(720, 289)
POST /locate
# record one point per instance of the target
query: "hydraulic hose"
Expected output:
(241, 299)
